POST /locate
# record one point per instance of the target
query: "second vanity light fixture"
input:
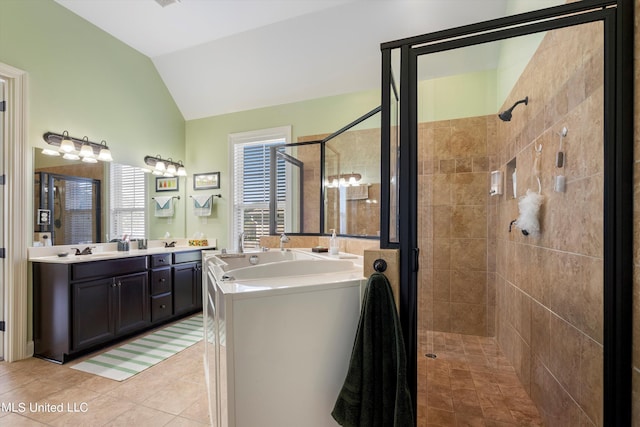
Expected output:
(344, 180)
(165, 167)
(75, 149)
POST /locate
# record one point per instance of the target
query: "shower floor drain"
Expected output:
(430, 355)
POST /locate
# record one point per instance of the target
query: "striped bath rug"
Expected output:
(134, 357)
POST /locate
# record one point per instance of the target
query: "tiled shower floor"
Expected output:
(469, 383)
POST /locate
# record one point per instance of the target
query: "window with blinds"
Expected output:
(251, 195)
(127, 201)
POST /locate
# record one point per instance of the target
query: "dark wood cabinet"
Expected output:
(132, 303)
(107, 308)
(187, 287)
(161, 293)
(93, 320)
(82, 306)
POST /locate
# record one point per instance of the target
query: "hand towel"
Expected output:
(164, 206)
(202, 205)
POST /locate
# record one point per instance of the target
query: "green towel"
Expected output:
(375, 391)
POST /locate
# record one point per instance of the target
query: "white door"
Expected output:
(2, 210)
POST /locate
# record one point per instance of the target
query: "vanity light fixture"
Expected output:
(344, 180)
(165, 167)
(74, 148)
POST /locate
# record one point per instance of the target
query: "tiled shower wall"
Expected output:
(456, 292)
(549, 287)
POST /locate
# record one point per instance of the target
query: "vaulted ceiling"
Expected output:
(223, 56)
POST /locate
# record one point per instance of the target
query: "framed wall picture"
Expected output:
(205, 181)
(167, 183)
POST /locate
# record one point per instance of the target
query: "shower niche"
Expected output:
(511, 184)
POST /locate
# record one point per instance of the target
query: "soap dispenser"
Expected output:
(333, 243)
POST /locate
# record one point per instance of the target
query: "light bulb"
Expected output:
(66, 145)
(105, 155)
(50, 152)
(86, 151)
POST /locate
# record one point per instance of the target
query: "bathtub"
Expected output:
(280, 328)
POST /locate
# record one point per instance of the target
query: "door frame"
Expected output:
(17, 192)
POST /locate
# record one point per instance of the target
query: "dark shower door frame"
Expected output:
(618, 20)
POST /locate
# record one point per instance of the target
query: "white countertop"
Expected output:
(106, 251)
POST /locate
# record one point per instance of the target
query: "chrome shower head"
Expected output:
(505, 116)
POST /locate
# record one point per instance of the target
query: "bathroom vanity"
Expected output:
(279, 328)
(84, 302)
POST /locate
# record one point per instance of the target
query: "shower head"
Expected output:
(505, 116)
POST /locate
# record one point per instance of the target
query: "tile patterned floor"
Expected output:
(172, 393)
(469, 383)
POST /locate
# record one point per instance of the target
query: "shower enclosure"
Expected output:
(507, 326)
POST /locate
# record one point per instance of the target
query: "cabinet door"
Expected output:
(93, 322)
(132, 309)
(184, 298)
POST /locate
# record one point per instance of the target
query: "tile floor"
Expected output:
(469, 383)
(172, 393)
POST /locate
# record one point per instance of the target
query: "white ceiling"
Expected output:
(223, 56)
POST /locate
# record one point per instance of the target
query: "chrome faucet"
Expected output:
(241, 243)
(283, 239)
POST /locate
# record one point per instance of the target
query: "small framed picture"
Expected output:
(205, 181)
(166, 183)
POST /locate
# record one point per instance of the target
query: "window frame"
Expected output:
(115, 189)
(264, 136)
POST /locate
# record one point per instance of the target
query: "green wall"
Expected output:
(85, 81)
(208, 147)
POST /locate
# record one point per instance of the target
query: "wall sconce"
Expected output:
(344, 180)
(165, 167)
(74, 149)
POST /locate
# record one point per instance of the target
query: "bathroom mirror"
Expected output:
(75, 173)
(332, 182)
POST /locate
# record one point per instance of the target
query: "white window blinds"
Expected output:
(251, 188)
(127, 201)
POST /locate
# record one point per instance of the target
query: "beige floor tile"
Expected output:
(141, 416)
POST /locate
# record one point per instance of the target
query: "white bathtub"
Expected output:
(279, 336)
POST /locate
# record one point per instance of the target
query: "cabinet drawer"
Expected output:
(161, 307)
(160, 281)
(188, 256)
(160, 260)
(107, 268)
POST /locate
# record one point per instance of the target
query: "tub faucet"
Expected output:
(241, 243)
(283, 239)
